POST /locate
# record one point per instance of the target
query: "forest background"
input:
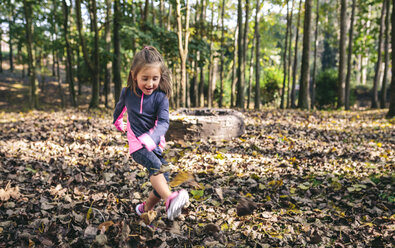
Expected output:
(306, 54)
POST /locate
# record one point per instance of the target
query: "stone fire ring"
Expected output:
(198, 124)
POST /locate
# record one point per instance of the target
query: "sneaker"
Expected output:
(175, 203)
(140, 208)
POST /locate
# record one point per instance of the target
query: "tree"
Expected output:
(295, 65)
(391, 110)
(27, 7)
(304, 78)
(289, 55)
(221, 70)
(93, 66)
(107, 67)
(285, 64)
(183, 48)
(350, 43)
(240, 54)
(342, 53)
(383, 93)
(69, 64)
(375, 99)
(315, 55)
(116, 64)
(257, 57)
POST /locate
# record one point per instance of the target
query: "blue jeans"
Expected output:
(151, 161)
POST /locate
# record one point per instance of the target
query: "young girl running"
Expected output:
(145, 99)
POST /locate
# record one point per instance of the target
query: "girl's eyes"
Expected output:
(155, 79)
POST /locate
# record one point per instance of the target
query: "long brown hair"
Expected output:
(149, 55)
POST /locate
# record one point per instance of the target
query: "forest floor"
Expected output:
(302, 179)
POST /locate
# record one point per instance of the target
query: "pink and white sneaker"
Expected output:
(140, 208)
(175, 203)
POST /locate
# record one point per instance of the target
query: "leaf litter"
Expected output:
(293, 179)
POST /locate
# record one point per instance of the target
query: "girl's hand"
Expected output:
(147, 141)
(121, 126)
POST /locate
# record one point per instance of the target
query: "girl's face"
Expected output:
(148, 78)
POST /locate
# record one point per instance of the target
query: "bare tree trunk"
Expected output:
(234, 70)
(69, 65)
(349, 65)
(116, 65)
(383, 93)
(285, 59)
(251, 70)
(391, 110)
(315, 55)
(257, 58)
(290, 56)
(161, 13)
(59, 78)
(212, 64)
(295, 65)
(1, 52)
(221, 70)
(34, 103)
(11, 22)
(304, 79)
(107, 69)
(375, 99)
(342, 53)
(240, 68)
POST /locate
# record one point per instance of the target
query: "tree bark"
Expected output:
(1, 51)
(342, 53)
(240, 68)
(304, 82)
(375, 98)
(34, 101)
(11, 22)
(107, 69)
(315, 55)
(69, 65)
(183, 48)
(257, 58)
(116, 65)
(295, 65)
(233, 96)
(285, 65)
(383, 93)
(290, 56)
(391, 110)
(349, 65)
(251, 71)
(221, 70)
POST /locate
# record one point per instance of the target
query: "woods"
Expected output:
(204, 42)
(281, 123)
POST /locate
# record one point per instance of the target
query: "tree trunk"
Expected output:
(116, 66)
(251, 71)
(315, 55)
(391, 110)
(69, 65)
(107, 68)
(245, 47)
(282, 104)
(233, 96)
(290, 56)
(342, 53)
(34, 103)
(349, 65)
(92, 65)
(257, 58)
(146, 10)
(240, 71)
(221, 70)
(212, 62)
(59, 78)
(1, 51)
(383, 93)
(183, 48)
(11, 22)
(375, 99)
(304, 81)
(295, 65)
(160, 13)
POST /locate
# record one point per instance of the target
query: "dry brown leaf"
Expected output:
(103, 227)
(245, 207)
(148, 217)
(181, 178)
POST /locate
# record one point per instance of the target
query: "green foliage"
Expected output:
(272, 79)
(326, 88)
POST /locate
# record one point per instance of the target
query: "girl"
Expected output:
(146, 101)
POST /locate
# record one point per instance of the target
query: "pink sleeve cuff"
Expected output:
(120, 125)
(147, 141)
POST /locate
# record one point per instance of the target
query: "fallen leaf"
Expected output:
(245, 207)
(181, 178)
(148, 217)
